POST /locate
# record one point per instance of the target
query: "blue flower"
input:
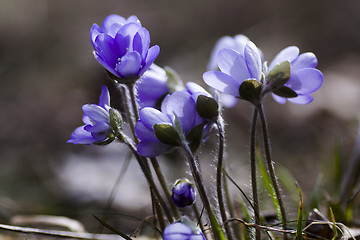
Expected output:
(304, 78)
(235, 68)
(152, 87)
(181, 231)
(179, 105)
(96, 118)
(183, 193)
(122, 46)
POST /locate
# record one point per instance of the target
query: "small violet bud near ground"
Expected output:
(183, 193)
(304, 77)
(122, 46)
(182, 231)
(99, 120)
(152, 87)
(235, 68)
(159, 131)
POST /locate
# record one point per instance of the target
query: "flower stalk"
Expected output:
(219, 170)
(253, 173)
(270, 165)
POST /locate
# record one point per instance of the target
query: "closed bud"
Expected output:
(183, 193)
(115, 120)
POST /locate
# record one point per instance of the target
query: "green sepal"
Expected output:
(250, 90)
(116, 121)
(194, 137)
(126, 80)
(285, 92)
(174, 81)
(279, 75)
(207, 107)
(167, 134)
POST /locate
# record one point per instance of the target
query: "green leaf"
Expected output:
(299, 223)
(194, 137)
(285, 92)
(250, 90)
(279, 75)
(207, 107)
(218, 232)
(167, 134)
(267, 181)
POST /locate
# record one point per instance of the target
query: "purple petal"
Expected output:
(144, 133)
(287, 54)
(98, 127)
(311, 80)
(233, 64)
(129, 64)
(150, 88)
(227, 100)
(96, 113)
(94, 32)
(279, 99)
(112, 24)
(128, 31)
(150, 148)
(181, 104)
(104, 100)
(305, 60)
(151, 116)
(142, 42)
(253, 60)
(105, 64)
(133, 19)
(197, 237)
(177, 227)
(222, 82)
(80, 136)
(150, 58)
(107, 48)
(302, 99)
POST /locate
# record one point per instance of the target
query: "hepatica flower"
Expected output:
(159, 131)
(304, 77)
(122, 46)
(235, 68)
(182, 231)
(97, 126)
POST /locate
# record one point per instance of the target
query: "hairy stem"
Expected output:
(143, 165)
(164, 186)
(253, 173)
(195, 170)
(270, 165)
(219, 170)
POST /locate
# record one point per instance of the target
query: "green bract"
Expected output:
(167, 134)
(207, 107)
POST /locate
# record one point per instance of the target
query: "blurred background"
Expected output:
(47, 72)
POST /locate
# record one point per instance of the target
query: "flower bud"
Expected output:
(182, 231)
(183, 193)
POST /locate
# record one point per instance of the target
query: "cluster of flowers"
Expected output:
(170, 115)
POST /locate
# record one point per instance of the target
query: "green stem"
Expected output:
(219, 170)
(164, 186)
(270, 165)
(253, 174)
(195, 170)
(142, 162)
